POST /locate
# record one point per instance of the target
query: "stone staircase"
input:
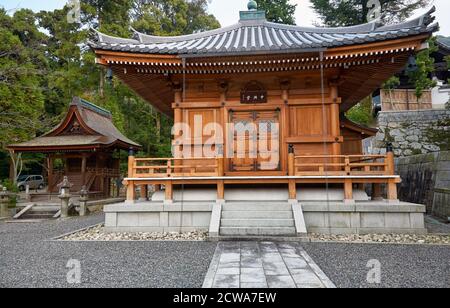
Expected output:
(257, 218)
(37, 212)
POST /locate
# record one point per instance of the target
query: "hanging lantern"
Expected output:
(412, 65)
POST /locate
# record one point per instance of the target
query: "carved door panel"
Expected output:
(256, 141)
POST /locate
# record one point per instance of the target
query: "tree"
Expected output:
(172, 17)
(279, 11)
(362, 112)
(420, 76)
(338, 13)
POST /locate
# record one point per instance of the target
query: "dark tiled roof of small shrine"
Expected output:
(256, 34)
(99, 122)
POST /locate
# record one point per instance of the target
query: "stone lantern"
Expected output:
(4, 203)
(65, 197)
(83, 201)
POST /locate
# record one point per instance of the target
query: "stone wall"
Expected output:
(426, 180)
(365, 218)
(413, 132)
(154, 217)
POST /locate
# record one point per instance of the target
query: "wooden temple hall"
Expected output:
(257, 83)
(84, 147)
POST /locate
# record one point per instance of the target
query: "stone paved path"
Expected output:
(264, 265)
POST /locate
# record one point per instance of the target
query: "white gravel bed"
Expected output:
(97, 233)
(432, 239)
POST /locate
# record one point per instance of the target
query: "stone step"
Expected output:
(257, 214)
(38, 216)
(257, 206)
(259, 223)
(268, 231)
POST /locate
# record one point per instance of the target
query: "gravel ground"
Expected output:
(97, 234)
(28, 259)
(384, 238)
(402, 266)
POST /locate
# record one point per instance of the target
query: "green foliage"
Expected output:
(391, 83)
(172, 17)
(21, 70)
(425, 66)
(279, 11)
(44, 62)
(440, 134)
(337, 13)
(362, 112)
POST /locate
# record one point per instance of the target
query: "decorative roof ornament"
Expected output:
(252, 5)
(253, 13)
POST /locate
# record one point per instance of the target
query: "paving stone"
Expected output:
(230, 257)
(253, 275)
(272, 258)
(251, 262)
(226, 281)
(306, 277)
(245, 285)
(263, 265)
(228, 271)
(274, 269)
(281, 282)
(229, 265)
(296, 262)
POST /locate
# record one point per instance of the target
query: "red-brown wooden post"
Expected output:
(392, 194)
(131, 191)
(220, 173)
(292, 168)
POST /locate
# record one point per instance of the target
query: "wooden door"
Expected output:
(255, 141)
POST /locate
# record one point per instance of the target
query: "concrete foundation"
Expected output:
(365, 218)
(326, 217)
(157, 217)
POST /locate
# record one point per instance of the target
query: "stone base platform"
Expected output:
(323, 217)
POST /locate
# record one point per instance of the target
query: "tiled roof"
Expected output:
(258, 35)
(96, 118)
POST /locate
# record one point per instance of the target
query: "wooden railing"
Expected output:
(349, 170)
(104, 172)
(342, 165)
(175, 167)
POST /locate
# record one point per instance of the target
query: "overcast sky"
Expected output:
(227, 10)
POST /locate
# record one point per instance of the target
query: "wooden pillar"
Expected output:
(348, 191)
(144, 193)
(169, 191)
(220, 173)
(392, 194)
(131, 191)
(50, 173)
(83, 169)
(376, 192)
(335, 125)
(178, 118)
(291, 167)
